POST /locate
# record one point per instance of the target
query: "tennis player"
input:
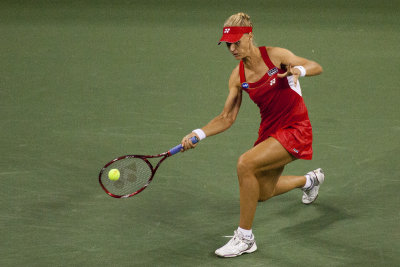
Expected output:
(269, 75)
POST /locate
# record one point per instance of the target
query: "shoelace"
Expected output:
(236, 238)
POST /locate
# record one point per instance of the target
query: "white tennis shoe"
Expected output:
(310, 194)
(237, 246)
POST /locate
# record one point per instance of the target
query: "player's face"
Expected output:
(241, 48)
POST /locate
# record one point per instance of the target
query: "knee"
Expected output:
(244, 166)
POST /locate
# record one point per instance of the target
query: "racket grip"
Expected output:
(178, 148)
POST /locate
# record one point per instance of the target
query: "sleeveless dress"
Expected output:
(283, 113)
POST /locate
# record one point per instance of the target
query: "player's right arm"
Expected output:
(231, 108)
(228, 115)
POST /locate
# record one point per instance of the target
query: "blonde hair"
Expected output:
(239, 19)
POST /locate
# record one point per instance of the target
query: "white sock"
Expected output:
(248, 234)
(308, 182)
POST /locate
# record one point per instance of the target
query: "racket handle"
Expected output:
(178, 148)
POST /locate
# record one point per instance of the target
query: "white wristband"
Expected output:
(301, 69)
(200, 133)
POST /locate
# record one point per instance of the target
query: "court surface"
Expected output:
(82, 82)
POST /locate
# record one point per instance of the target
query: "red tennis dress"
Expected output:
(284, 115)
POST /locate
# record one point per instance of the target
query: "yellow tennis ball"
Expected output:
(113, 174)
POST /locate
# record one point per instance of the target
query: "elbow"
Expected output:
(314, 69)
(320, 69)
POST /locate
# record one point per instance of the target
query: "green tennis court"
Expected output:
(82, 82)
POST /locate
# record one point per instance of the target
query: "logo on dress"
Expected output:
(245, 85)
(273, 71)
(227, 30)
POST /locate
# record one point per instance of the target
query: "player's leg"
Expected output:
(266, 156)
(273, 184)
(259, 173)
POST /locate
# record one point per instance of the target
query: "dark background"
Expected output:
(82, 82)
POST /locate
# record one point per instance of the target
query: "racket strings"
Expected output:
(134, 175)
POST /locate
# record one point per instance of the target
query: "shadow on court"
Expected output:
(328, 215)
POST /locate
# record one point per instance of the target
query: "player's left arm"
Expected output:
(295, 65)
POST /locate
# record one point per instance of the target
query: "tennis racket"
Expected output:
(136, 172)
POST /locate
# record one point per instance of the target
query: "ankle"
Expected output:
(248, 234)
(308, 183)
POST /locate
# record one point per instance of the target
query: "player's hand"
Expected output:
(187, 143)
(291, 71)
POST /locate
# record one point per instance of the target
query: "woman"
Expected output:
(270, 76)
